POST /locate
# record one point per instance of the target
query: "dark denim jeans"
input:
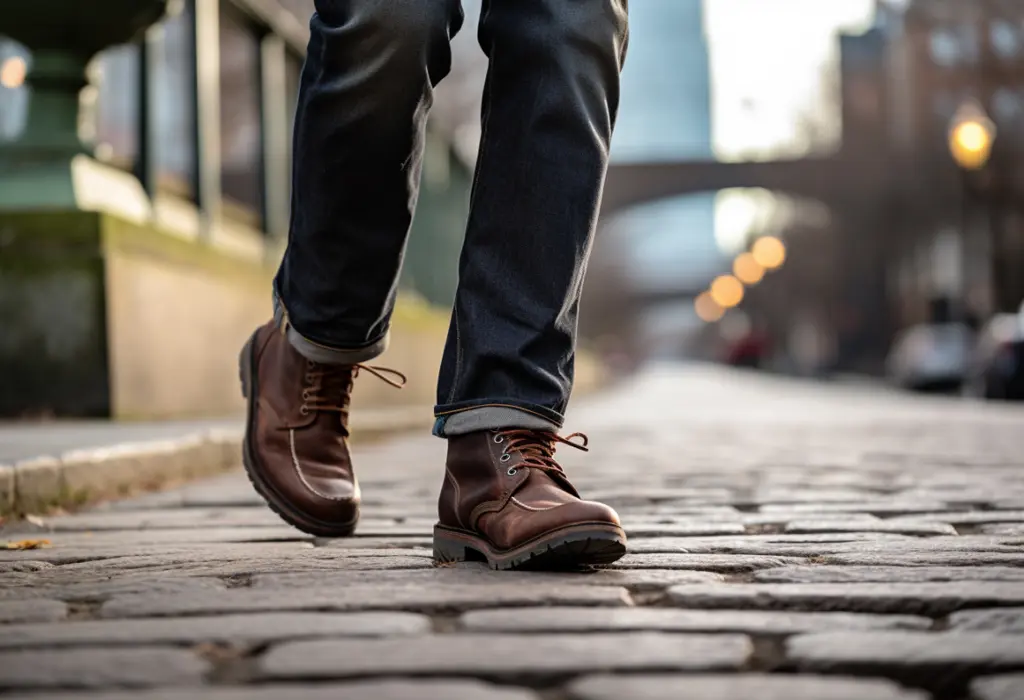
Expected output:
(550, 101)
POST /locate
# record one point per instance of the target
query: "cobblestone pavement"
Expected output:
(788, 540)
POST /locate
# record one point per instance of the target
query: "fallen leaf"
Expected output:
(35, 520)
(27, 544)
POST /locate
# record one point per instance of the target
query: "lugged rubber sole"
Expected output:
(572, 548)
(265, 489)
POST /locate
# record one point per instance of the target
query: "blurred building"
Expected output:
(177, 221)
(665, 115)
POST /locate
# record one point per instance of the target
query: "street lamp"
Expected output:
(971, 135)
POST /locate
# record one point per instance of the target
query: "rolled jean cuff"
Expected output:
(324, 354)
(502, 416)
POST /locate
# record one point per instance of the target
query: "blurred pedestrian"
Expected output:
(549, 107)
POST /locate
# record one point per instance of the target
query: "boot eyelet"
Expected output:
(305, 395)
(506, 457)
(512, 471)
(304, 410)
(498, 438)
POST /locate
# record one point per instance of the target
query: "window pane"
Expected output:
(241, 147)
(173, 105)
(117, 106)
(14, 63)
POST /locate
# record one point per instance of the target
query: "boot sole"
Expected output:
(264, 488)
(575, 547)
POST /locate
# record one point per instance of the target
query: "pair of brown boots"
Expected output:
(504, 498)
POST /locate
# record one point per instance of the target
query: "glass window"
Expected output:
(241, 128)
(14, 93)
(117, 124)
(172, 96)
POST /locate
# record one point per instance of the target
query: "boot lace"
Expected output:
(537, 447)
(329, 387)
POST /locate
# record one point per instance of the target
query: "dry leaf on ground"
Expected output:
(27, 544)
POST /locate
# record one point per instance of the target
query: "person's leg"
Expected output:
(550, 102)
(549, 108)
(365, 91)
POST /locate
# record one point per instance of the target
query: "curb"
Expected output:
(82, 477)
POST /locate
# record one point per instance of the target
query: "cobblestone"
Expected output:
(776, 527)
(231, 629)
(1006, 687)
(99, 668)
(507, 656)
(622, 619)
(934, 659)
(762, 687)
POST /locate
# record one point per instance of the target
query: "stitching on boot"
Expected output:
(458, 497)
(298, 471)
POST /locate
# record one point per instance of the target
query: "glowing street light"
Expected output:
(727, 291)
(13, 72)
(707, 308)
(769, 252)
(971, 135)
(747, 269)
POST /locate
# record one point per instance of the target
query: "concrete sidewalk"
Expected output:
(788, 540)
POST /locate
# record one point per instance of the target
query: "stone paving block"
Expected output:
(420, 689)
(472, 573)
(894, 574)
(1000, 620)
(517, 657)
(205, 551)
(363, 597)
(737, 687)
(929, 558)
(241, 629)
(781, 545)
(1005, 687)
(937, 659)
(37, 610)
(902, 598)
(139, 667)
(1014, 529)
(731, 563)
(901, 527)
(175, 518)
(977, 517)
(360, 542)
(678, 529)
(106, 539)
(886, 507)
(755, 622)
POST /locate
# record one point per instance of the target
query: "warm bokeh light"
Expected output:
(707, 308)
(747, 269)
(13, 72)
(727, 291)
(769, 252)
(971, 144)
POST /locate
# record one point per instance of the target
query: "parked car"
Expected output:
(931, 357)
(997, 362)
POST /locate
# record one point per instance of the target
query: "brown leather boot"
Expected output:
(296, 438)
(507, 501)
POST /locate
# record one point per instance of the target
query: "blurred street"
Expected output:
(866, 544)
